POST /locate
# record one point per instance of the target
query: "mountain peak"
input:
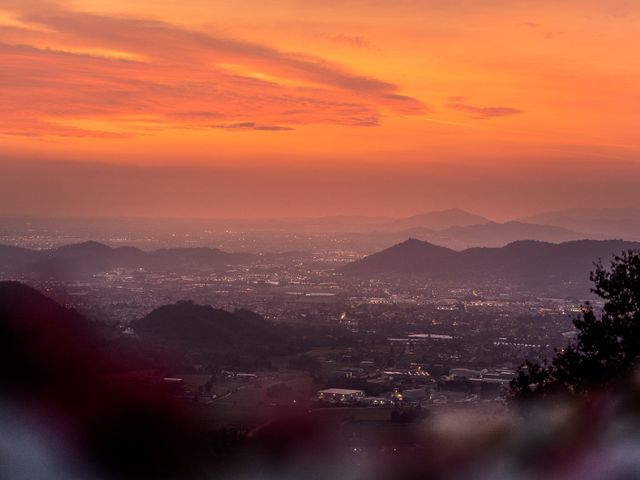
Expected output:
(413, 241)
(204, 327)
(88, 246)
(441, 219)
(414, 244)
(401, 257)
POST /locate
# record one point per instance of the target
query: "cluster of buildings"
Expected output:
(417, 386)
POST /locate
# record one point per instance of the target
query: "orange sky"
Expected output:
(347, 83)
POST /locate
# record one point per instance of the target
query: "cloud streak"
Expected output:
(481, 112)
(63, 66)
(251, 126)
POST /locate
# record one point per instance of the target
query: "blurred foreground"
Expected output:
(71, 408)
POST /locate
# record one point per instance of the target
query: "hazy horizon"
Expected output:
(55, 188)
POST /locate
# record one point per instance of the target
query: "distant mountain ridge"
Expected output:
(526, 261)
(94, 257)
(454, 228)
(440, 220)
(493, 234)
(597, 223)
(617, 222)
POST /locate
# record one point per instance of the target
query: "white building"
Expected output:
(340, 395)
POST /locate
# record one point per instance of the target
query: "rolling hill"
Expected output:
(522, 261)
(93, 257)
(203, 327)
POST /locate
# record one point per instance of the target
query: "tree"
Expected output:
(607, 349)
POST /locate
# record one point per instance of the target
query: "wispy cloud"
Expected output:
(346, 40)
(481, 112)
(61, 65)
(250, 126)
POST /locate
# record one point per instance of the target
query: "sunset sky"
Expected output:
(299, 107)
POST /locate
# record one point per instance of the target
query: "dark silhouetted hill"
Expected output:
(83, 259)
(409, 256)
(523, 261)
(206, 328)
(34, 327)
(53, 380)
(93, 257)
(13, 257)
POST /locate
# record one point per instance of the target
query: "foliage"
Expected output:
(607, 348)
